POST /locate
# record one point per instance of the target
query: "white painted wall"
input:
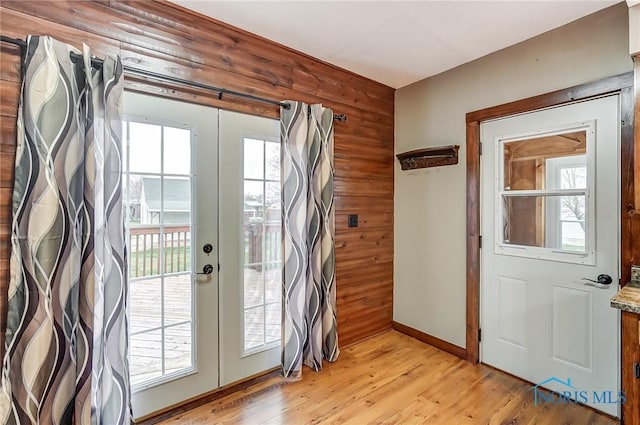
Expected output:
(430, 205)
(634, 29)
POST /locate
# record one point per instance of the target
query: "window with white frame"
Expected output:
(543, 203)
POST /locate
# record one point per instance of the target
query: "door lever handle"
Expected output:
(602, 279)
(206, 270)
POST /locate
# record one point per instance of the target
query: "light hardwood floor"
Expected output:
(391, 379)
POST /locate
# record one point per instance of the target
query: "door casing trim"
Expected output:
(622, 84)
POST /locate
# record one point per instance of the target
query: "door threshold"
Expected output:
(197, 401)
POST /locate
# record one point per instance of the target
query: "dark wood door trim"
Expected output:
(618, 84)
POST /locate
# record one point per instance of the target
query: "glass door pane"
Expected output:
(556, 222)
(158, 180)
(543, 204)
(262, 245)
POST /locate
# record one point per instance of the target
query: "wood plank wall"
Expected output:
(164, 38)
(630, 251)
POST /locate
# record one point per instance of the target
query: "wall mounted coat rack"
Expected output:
(429, 157)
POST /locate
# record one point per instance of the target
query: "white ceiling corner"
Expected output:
(398, 42)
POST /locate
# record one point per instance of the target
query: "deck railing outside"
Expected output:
(145, 240)
(144, 252)
(154, 352)
(262, 243)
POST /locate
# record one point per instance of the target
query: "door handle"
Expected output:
(602, 279)
(206, 270)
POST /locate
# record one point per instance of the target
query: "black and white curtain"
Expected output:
(66, 338)
(309, 304)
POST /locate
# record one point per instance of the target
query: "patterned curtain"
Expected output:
(309, 322)
(66, 337)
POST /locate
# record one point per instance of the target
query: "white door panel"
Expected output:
(538, 318)
(250, 265)
(150, 395)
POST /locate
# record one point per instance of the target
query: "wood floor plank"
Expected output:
(391, 379)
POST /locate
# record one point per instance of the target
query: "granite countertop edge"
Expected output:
(628, 298)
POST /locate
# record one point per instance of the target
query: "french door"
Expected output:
(250, 246)
(203, 245)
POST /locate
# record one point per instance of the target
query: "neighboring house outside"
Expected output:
(177, 201)
(132, 210)
(253, 211)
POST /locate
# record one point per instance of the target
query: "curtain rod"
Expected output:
(97, 63)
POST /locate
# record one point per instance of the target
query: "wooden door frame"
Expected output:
(622, 84)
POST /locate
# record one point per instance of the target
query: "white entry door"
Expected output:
(550, 219)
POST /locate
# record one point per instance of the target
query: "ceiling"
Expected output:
(397, 42)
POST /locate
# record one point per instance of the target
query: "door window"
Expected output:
(262, 265)
(543, 203)
(157, 197)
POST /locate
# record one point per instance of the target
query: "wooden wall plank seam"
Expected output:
(192, 44)
(164, 37)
